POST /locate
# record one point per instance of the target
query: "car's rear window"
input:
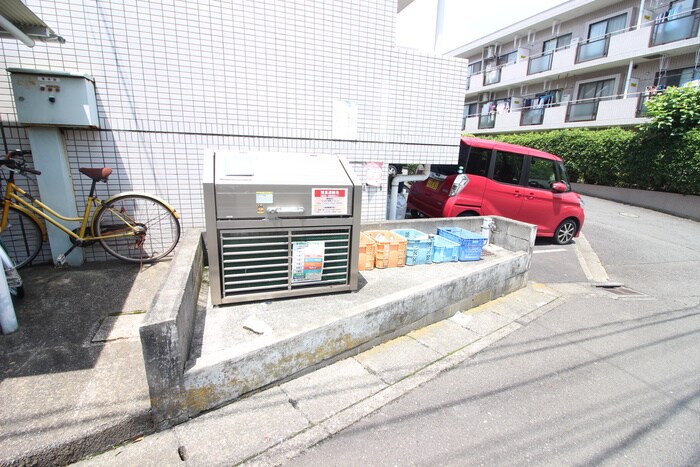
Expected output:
(478, 161)
(475, 161)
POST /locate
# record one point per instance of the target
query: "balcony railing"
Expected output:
(540, 64)
(492, 76)
(531, 116)
(582, 111)
(676, 28)
(602, 112)
(487, 121)
(592, 49)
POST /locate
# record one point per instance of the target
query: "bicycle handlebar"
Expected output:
(15, 161)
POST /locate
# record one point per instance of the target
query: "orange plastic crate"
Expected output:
(391, 249)
(368, 250)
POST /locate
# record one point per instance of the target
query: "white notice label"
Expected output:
(307, 261)
(329, 202)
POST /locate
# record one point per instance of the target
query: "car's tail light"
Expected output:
(459, 183)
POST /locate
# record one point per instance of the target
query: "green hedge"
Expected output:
(622, 157)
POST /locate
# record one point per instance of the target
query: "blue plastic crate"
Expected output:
(444, 250)
(470, 243)
(418, 248)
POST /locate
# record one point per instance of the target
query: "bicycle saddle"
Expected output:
(98, 175)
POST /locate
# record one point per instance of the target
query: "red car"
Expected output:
(502, 179)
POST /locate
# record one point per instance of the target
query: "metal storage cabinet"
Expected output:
(280, 224)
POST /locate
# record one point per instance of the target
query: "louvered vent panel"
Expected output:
(262, 261)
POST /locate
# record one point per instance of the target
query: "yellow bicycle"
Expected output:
(131, 226)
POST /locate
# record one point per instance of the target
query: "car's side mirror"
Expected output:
(559, 187)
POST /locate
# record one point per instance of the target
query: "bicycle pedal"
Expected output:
(60, 260)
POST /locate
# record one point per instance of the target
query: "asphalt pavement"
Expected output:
(608, 376)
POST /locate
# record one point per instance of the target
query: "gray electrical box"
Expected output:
(56, 98)
(280, 224)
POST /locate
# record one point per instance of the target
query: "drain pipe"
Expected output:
(395, 188)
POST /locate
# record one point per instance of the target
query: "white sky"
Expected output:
(465, 20)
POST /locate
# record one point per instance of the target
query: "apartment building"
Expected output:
(174, 78)
(584, 63)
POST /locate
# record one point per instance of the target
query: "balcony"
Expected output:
(487, 121)
(592, 49)
(677, 28)
(492, 76)
(615, 111)
(582, 111)
(540, 64)
(532, 116)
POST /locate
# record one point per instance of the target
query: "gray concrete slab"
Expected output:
(65, 395)
(444, 337)
(398, 358)
(327, 391)
(482, 321)
(155, 450)
(238, 431)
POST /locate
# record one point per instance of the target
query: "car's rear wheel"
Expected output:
(565, 232)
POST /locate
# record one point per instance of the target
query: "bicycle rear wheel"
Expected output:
(150, 229)
(22, 237)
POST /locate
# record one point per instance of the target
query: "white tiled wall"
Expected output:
(174, 77)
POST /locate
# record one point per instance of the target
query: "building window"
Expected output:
(557, 43)
(596, 46)
(471, 109)
(474, 68)
(533, 108)
(608, 26)
(679, 77)
(679, 22)
(492, 76)
(589, 95)
(507, 59)
(543, 62)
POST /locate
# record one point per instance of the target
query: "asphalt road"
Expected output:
(601, 379)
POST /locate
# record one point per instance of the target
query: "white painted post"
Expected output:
(55, 186)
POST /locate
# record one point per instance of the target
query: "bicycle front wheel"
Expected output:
(22, 237)
(137, 228)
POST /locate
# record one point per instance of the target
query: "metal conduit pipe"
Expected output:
(395, 188)
(15, 32)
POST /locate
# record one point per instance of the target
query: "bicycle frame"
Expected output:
(15, 195)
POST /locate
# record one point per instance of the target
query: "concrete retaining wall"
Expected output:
(168, 328)
(166, 334)
(687, 206)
